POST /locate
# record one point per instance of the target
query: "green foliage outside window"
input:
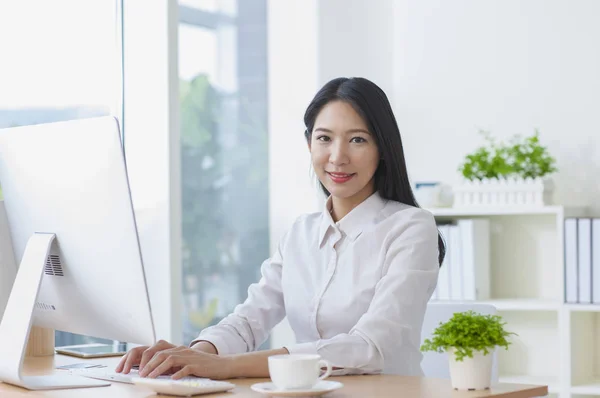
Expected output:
(224, 166)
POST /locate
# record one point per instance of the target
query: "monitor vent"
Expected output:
(44, 306)
(53, 266)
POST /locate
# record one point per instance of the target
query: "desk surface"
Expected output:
(354, 386)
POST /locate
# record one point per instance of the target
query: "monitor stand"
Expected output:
(16, 323)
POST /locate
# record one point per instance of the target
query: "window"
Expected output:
(60, 61)
(224, 155)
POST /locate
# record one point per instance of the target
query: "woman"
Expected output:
(353, 280)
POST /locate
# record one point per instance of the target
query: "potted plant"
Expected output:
(513, 173)
(470, 339)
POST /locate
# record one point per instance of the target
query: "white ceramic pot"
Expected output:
(471, 373)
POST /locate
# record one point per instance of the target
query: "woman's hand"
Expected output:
(140, 356)
(143, 354)
(184, 361)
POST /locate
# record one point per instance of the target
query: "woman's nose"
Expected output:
(338, 154)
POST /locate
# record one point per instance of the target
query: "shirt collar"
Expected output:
(354, 222)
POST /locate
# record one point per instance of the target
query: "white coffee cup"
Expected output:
(297, 371)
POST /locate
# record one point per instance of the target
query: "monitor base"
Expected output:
(16, 322)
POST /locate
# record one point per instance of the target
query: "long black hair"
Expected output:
(371, 103)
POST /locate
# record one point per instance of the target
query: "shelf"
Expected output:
(551, 382)
(583, 307)
(590, 388)
(512, 304)
(523, 304)
(585, 368)
(571, 211)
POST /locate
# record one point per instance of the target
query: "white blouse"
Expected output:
(354, 292)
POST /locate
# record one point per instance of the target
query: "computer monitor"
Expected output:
(74, 235)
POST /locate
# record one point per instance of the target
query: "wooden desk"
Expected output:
(354, 386)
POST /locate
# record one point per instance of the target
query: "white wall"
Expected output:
(355, 40)
(292, 65)
(504, 66)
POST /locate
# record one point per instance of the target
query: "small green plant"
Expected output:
(466, 332)
(521, 157)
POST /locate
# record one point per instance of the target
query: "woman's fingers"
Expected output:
(140, 356)
(158, 359)
(185, 371)
(130, 359)
(134, 356)
(166, 365)
(119, 367)
(149, 353)
(183, 361)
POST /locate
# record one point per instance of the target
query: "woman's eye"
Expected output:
(323, 138)
(358, 140)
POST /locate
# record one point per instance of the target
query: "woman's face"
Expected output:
(343, 152)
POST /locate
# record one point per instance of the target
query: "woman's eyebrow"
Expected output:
(326, 130)
(357, 131)
(323, 129)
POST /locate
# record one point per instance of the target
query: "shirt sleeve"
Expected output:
(391, 327)
(249, 325)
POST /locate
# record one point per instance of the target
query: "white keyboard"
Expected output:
(184, 388)
(110, 375)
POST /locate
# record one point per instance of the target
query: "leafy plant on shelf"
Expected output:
(467, 332)
(522, 157)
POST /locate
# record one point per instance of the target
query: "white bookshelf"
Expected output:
(516, 304)
(590, 388)
(564, 211)
(558, 344)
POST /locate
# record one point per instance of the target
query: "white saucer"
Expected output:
(322, 387)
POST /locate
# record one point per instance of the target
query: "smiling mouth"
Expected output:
(340, 178)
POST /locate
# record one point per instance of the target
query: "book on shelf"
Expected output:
(582, 260)
(465, 271)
